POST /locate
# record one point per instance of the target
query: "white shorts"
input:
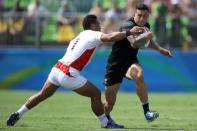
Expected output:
(59, 78)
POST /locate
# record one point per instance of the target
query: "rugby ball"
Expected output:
(135, 40)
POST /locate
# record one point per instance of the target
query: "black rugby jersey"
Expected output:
(122, 50)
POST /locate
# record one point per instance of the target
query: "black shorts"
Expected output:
(116, 71)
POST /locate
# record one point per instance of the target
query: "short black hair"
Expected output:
(142, 7)
(88, 20)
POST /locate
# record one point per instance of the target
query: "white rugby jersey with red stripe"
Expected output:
(81, 49)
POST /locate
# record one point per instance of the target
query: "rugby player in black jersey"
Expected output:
(123, 62)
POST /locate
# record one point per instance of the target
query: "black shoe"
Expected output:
(14, 117)
(114, 123)
(112, 126)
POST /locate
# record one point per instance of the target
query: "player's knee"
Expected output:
(96, 94)
(140, 82)
(43, 95)
(139, 77)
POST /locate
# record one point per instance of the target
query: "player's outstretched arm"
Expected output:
(162, 50)
(140, 40)
(116, 36)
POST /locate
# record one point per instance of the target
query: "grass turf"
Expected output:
(71, 112)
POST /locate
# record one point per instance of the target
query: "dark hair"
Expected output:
(88, 20)
(142, 7)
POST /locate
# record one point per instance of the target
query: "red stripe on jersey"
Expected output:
(63, 68)
(80, 62)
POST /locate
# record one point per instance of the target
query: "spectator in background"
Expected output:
(131, 4)
(112, 17)
(97, 10)
(16, 24)
(1, 7)
(176, 38)
(105, 4)
(190, 10)
(160, 12)
(65, 15)
(3, 25)
(36, 9)
(37, 15)
(67, 20)
(148, 2)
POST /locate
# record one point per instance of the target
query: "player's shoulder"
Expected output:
(90, 33)
(87, 32)
(92, 36)
(128, 24)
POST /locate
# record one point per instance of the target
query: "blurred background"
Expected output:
(34, 34)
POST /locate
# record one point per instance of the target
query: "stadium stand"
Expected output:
(50, 32)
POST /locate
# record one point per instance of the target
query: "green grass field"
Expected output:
(71, 112)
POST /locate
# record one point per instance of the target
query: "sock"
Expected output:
(22, 110)
(103, 119)
(146, 107)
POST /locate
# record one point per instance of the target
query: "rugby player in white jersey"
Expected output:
(66, 72)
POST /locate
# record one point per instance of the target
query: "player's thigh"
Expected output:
(48, 89)
(134, 71)
(88, 90)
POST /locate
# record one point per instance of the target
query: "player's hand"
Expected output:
(137, 30)
(166, 52)
(149, 35)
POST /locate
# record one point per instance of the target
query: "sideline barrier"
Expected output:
(27, 69)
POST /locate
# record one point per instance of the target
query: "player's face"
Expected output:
(141, 17)
(97, 26)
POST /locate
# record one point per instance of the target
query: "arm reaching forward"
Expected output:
(116, 36)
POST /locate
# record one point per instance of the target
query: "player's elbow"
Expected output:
(108, 38)
(112, 37)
